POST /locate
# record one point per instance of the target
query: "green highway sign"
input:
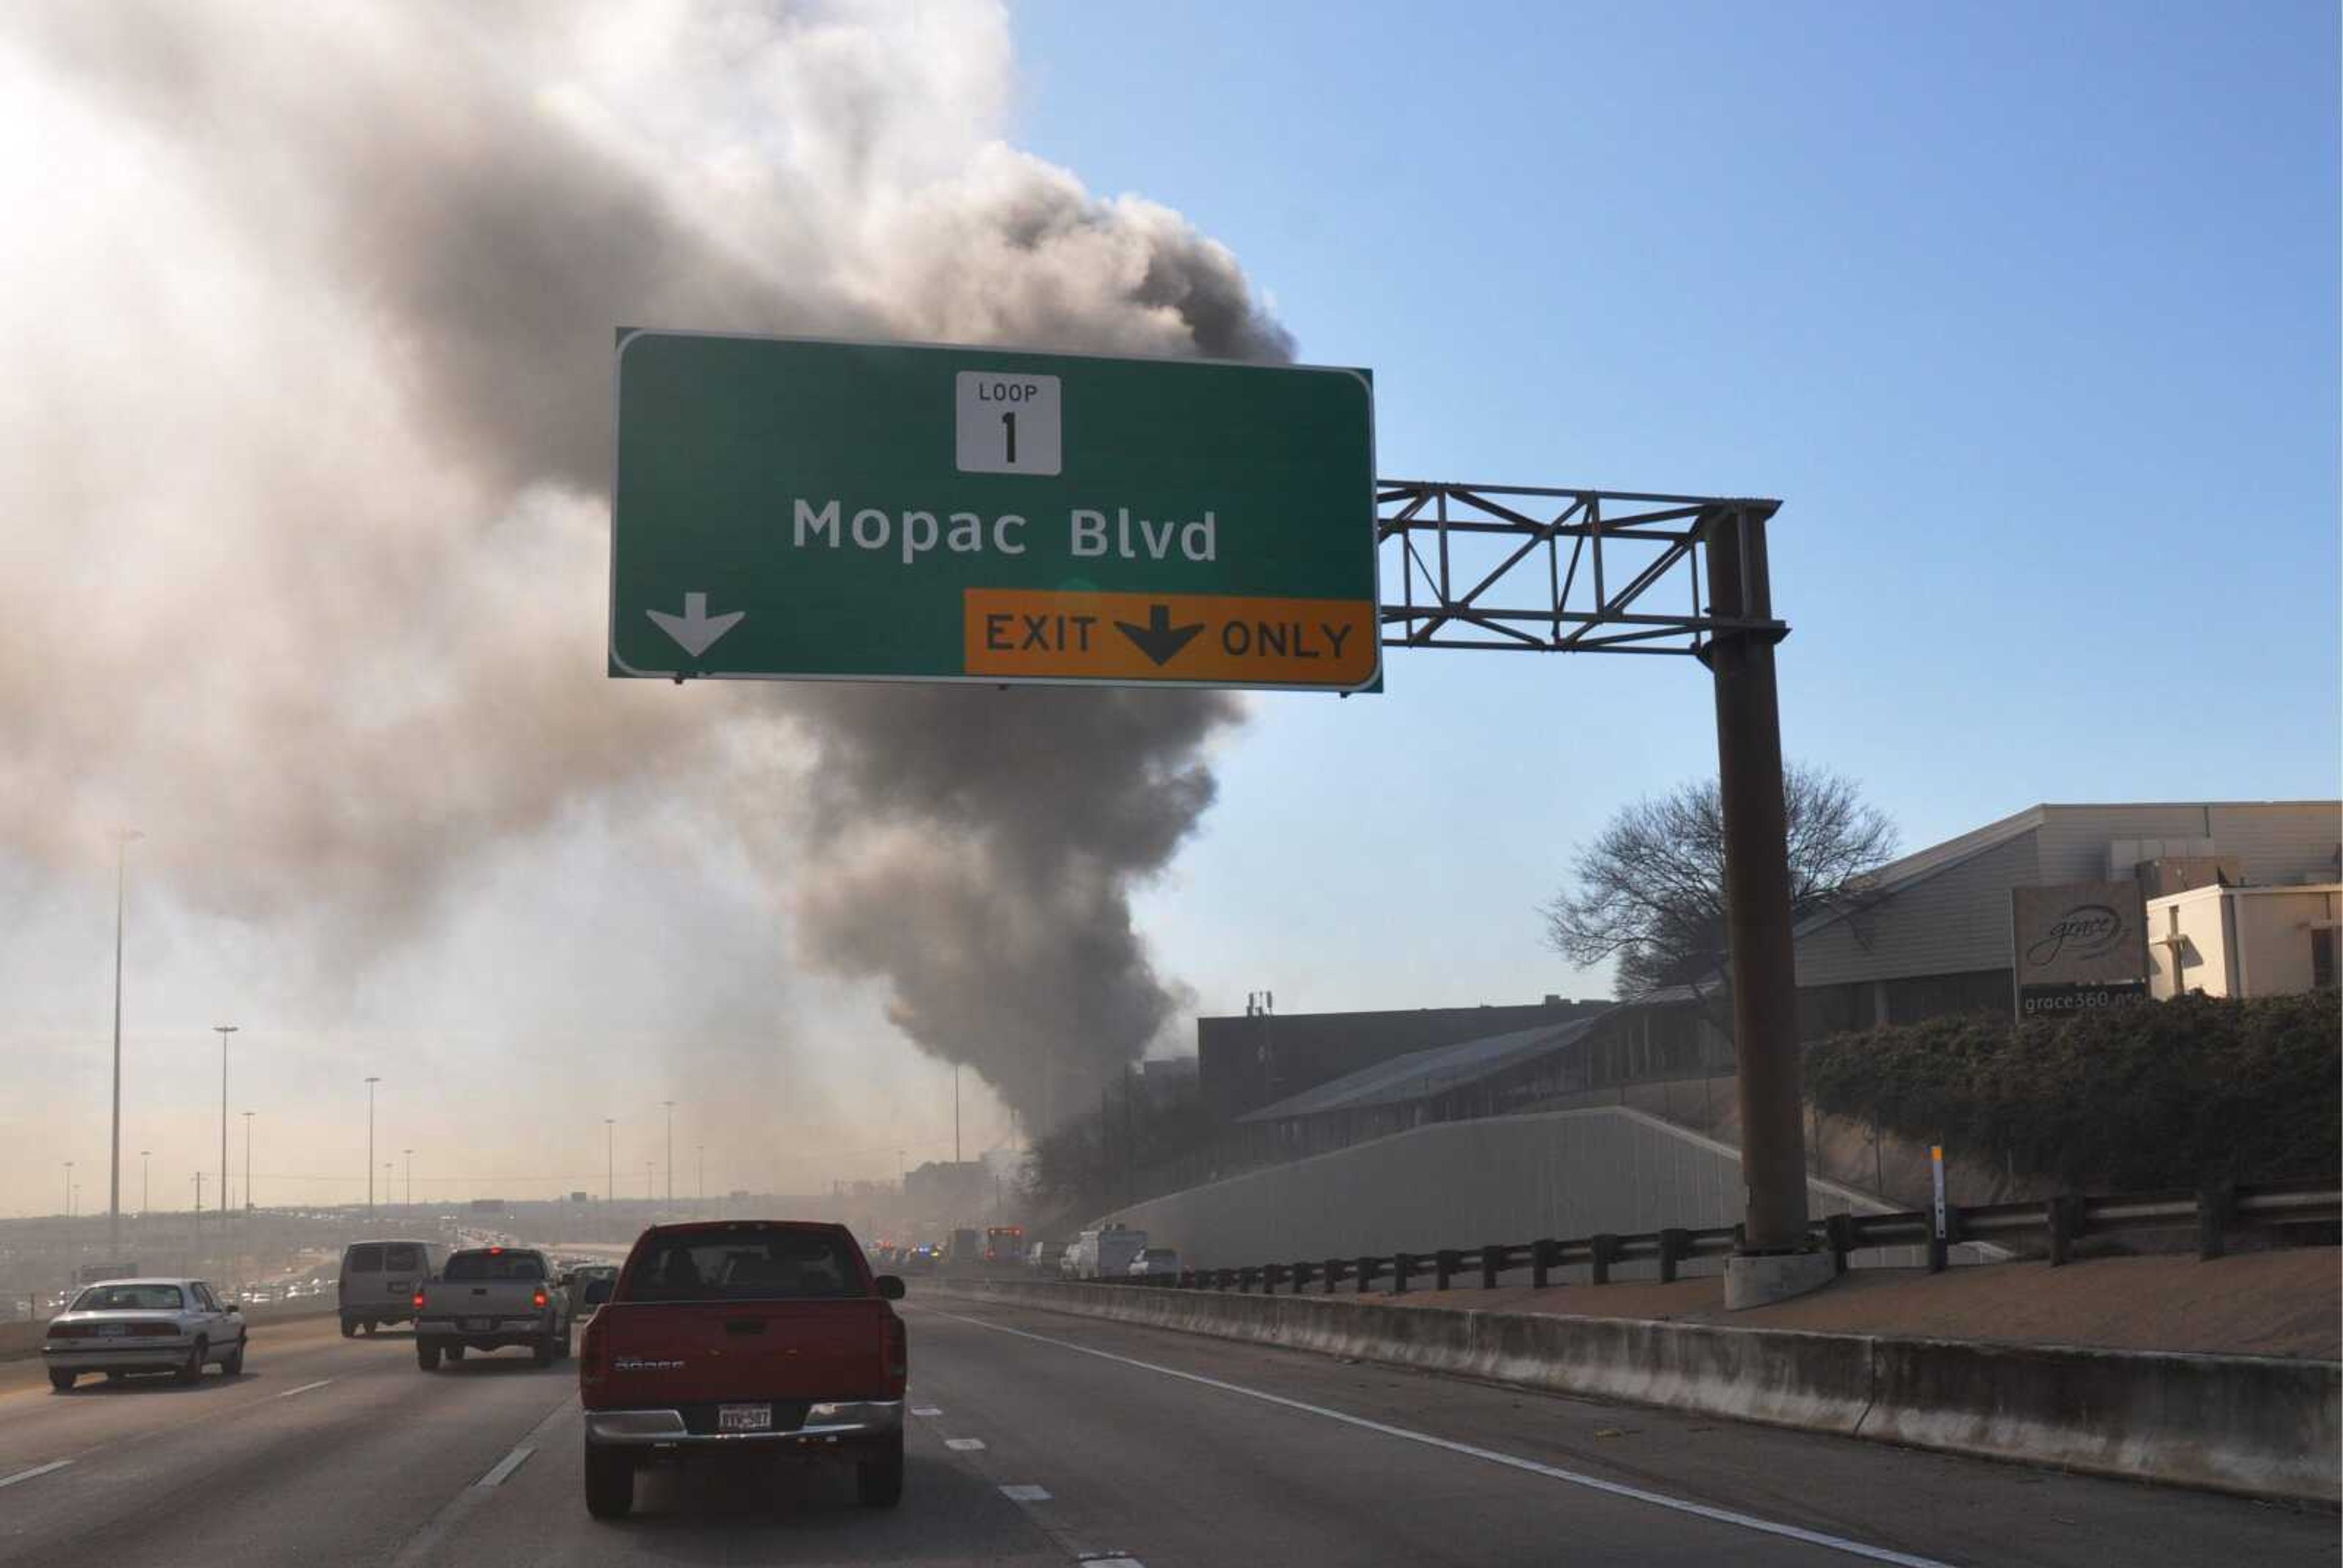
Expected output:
(785, 509)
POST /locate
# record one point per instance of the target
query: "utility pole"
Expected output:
(370, 1083)
(122, 838)
(222, 1031)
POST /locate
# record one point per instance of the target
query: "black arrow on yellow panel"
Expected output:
(1159, 640)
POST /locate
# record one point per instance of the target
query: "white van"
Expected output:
(1106, 1253)
(379, 1280)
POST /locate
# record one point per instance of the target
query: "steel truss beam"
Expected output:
(1534, 570)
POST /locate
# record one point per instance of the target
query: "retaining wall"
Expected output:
(2263, 1426)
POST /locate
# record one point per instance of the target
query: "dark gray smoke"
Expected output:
(321, 365)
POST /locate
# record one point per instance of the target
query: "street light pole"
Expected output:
(670, 1151)
(248, 1161)
(122, 838)
(222, 1031)
(145, 1155)
(410, 1179)
(69, 1213)
(955, 1112)
(609, 1159)
(370, 1083)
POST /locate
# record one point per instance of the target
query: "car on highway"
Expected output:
(488, 1297)
(378, 1280)
(748, 1338)
(159, 1325)
(1155, 1263)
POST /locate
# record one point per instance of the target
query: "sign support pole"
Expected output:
(1757, 888)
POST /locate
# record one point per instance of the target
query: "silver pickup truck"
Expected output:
(485, 1297)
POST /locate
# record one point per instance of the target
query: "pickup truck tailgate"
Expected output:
(659, 1353)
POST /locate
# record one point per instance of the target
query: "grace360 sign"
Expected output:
(785, 509)
(2077, 945)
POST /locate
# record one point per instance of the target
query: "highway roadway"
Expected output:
(1039, 1438)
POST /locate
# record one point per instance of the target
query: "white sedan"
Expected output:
(177, 1326)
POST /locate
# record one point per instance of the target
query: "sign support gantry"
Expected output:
(1546, 570)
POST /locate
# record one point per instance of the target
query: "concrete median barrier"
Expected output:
(2260, 1426)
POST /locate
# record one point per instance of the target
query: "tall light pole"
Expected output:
(145, 1155)
(370, 1083)
(699, 1172)
(222, 1031)
(955, 1112)
(69, 1189)
(609, 1159)
(670, 1151)
(410, 1178)
(122, 840)
(649, 1191)
(248, 1161)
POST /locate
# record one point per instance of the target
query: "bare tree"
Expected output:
(1649, 892)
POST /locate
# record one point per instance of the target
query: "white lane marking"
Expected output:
(1025, 1494)
(36, 1470)
(964, 1445)
(1513, 1461)
(304, 1388)
(927, 1410)
(506, 1466)
(423, 1544)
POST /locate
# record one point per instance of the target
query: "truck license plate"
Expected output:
(479, 1325)
(744, 1418)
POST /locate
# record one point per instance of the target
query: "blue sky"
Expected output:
(2029, 318)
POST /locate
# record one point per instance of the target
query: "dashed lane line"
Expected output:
(1513, 1461)
(36, 1470)
(505, 1467)
(1026, 1493)
(964, 1445)
(304, 1388)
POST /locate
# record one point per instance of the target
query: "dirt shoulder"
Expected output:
(2277, 1303)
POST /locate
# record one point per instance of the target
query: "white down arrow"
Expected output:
(695, 628)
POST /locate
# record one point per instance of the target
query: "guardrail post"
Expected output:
(2216, 1206)
(1838, 1232)
(1444, 1263)
(1493, 1263)
(1367, 1269)
(1940, 1247)
(1542, 1255)
(1602, 1246)
(1399, 1265)
(1673, 1245)
(2063, 1217)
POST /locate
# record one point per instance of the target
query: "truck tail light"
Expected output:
(537, 1298)
(418, 1301)
(591, 1369)
(898, 1356)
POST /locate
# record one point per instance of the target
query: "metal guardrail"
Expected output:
(2060, 1222)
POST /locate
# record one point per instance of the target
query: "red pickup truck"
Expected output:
(743, 1336)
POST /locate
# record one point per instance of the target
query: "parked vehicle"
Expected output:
(743, 1336)
(1106, 1253)
(488, 1298)
(160, 1325)
(380, 1279)
(1155, 1263)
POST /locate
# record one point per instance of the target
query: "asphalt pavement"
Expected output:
(1037, 1439)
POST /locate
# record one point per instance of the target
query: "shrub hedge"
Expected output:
(2149, 1094)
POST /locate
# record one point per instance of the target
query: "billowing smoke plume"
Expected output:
(310, 313)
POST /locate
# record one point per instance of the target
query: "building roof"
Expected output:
(1423, 1072)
